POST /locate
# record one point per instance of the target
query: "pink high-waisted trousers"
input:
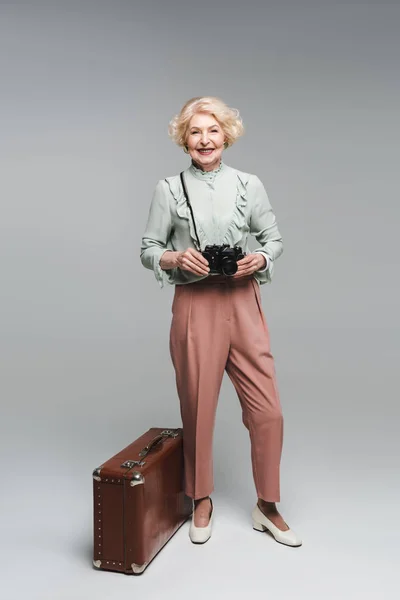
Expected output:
(218, 325)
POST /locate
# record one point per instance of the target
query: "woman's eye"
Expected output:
(212, 131)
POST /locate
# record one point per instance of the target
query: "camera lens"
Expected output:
(228, 265)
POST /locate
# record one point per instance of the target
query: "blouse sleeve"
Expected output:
(267, 261)
(156, 236)
(264, 227)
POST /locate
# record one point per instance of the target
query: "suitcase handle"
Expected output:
(128, 464)
(166, 433)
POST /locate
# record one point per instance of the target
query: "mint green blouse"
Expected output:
(227, 204)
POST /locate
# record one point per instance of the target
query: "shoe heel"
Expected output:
(258, 526)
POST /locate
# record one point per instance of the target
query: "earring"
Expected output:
(186, 149)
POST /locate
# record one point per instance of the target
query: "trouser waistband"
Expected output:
(222, 279)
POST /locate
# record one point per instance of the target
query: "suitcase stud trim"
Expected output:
(139, 568)
(137, 479)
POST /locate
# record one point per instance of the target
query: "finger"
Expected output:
(190, 265)
(198, 256)
(246, 270)
(201, 263)
(245, 260)
(239, 274)
(249, 265)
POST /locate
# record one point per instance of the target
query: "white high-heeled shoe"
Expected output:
(261, 523)
(200, 535)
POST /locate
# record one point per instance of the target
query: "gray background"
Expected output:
(87, 90)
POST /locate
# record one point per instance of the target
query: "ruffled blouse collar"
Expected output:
(207, 175)
(238, 223)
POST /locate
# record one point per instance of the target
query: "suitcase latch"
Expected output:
(170, 433)
(128, 464)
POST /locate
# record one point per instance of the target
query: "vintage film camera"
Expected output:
(222, 259)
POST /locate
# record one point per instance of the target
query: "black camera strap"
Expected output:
(190, 206)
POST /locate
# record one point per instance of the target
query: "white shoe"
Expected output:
(200, 535)
(261, 523)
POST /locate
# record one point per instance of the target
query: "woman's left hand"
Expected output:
(249, 264)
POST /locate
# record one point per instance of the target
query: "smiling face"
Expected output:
(205, 140)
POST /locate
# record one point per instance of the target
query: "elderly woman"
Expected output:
(218, 322)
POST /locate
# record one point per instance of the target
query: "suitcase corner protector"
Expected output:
(96, 474)
(137, 478)
(138, 568)
(97, 564)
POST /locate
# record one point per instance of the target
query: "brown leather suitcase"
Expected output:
(138, 501)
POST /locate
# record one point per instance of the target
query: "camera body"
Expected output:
(222, 259)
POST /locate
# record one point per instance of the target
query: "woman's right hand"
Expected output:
(189, 260)
(192, 260)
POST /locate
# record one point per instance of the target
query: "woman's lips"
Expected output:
(206, 152)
